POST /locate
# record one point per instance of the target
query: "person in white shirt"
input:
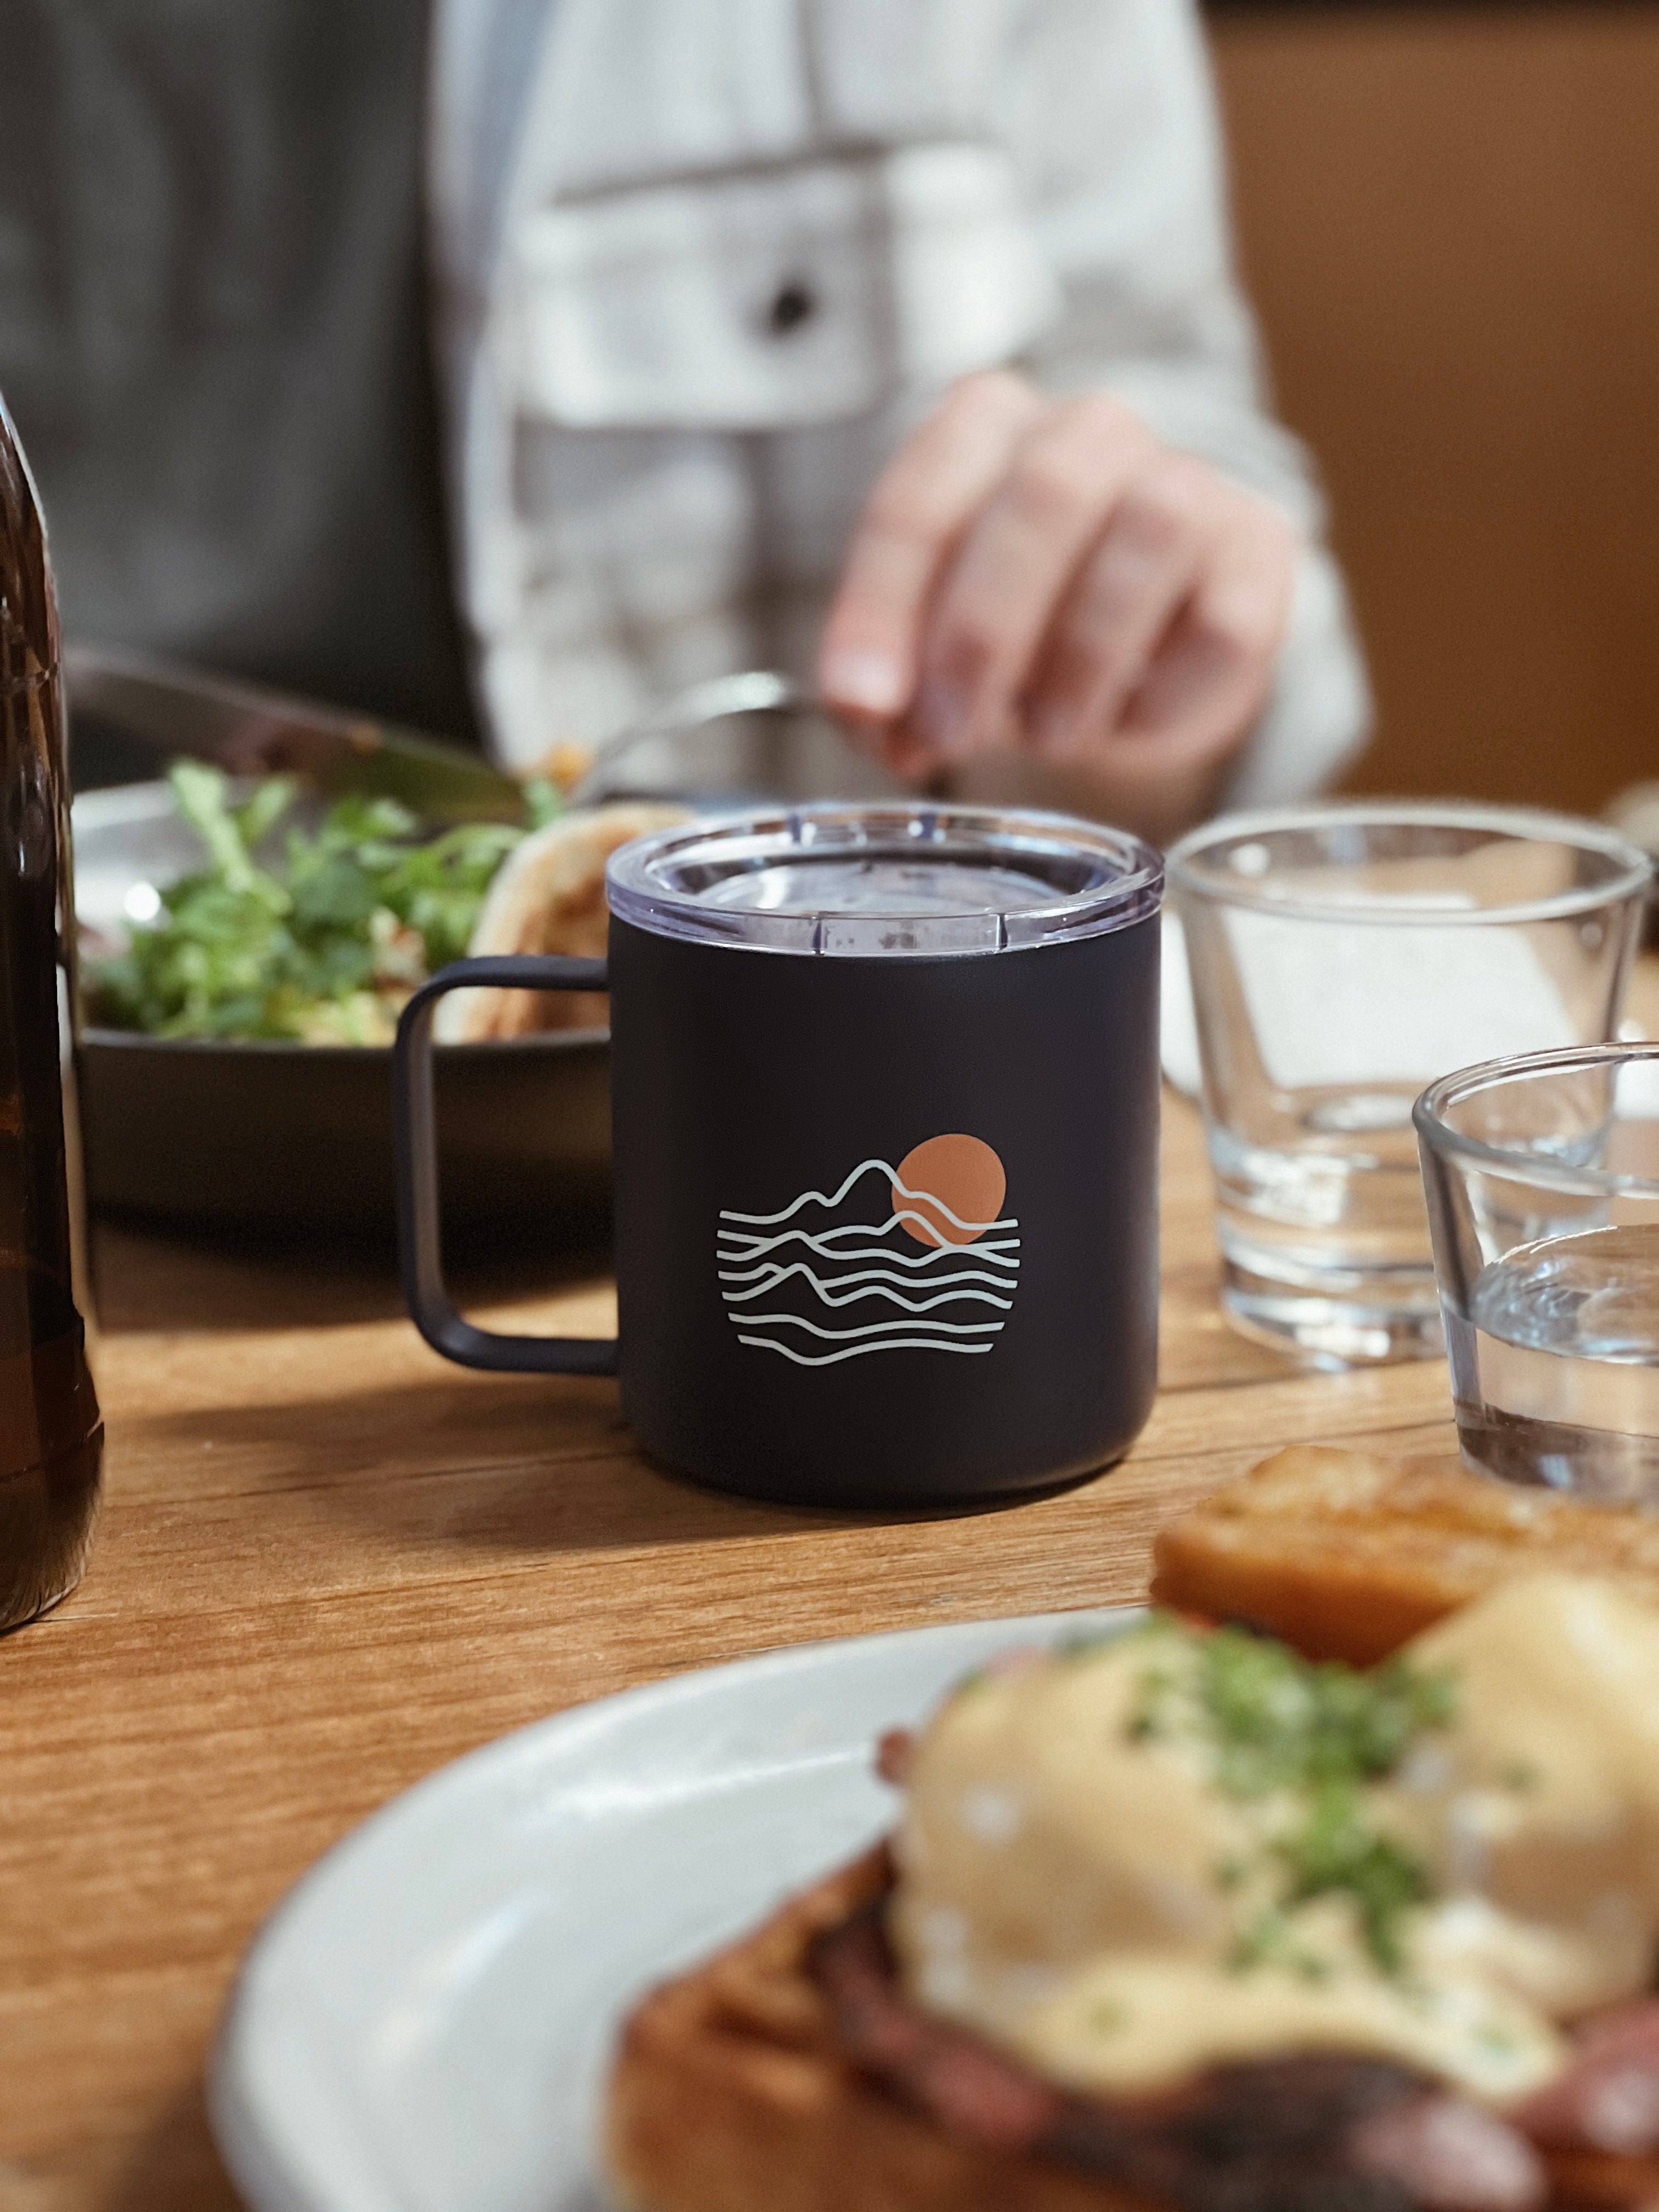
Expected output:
(919, 313)
(890, 342)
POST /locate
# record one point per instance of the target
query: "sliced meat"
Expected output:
(1315, 2132)
(1272, 2136)
(1451, 2154)
(1322, 2131)
(969, 2087)
(894, 1752)
(1608, 2098)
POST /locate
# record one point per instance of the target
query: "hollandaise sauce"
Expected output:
(1137, 1857)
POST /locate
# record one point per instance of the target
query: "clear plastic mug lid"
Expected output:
(885, 880)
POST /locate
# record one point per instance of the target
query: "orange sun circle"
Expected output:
(958, 1172)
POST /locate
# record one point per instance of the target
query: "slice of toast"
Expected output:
(1346, 1555)
(730, 2093)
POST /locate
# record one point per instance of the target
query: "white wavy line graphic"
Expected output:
(871, 1329)
(865, 1168)
(921, 1222)
(879, 1289)
(774, 1271)
(865, 1229)
(751, 1247)
(858, 1351)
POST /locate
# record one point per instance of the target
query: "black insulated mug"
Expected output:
(885, 1102)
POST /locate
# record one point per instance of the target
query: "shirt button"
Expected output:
(793, 304)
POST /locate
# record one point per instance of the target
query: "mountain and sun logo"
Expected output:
(835, 1275)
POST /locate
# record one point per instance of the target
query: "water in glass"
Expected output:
(1555, 1367)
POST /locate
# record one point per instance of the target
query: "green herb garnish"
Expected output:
(1337, 1849)
(1276, 1724)
(324, 944)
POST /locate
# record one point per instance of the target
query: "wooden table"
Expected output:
(329, 1562)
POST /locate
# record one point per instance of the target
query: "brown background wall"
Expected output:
(1450, 224)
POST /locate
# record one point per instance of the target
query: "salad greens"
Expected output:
(323, 945)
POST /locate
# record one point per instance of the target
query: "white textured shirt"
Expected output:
(700, 265)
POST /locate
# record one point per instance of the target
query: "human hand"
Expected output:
(1049, 575)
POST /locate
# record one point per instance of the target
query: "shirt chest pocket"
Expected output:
(759, 298)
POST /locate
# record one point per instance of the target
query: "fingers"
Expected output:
(920, 505)
(1155, 769)
(996, 600)
(1210, 675)
(1143, 567)
(1049, 574)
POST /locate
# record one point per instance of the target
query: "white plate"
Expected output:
(422, 2025)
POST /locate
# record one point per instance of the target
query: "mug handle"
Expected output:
(419, 1223)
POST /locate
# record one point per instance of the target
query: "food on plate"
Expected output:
(1178, 1920)
(549, 896)
(323, 943)
(1347, 1554)
(565, 764)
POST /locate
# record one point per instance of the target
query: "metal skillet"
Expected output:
(232, 1138)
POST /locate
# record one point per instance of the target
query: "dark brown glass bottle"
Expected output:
(51, 1434)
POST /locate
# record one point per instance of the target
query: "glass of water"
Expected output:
(1542, 1176)
(1342, 956)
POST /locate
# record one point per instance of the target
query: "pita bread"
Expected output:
(549, 896)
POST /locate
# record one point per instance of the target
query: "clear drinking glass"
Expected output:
(1342, 956)
(1542, 1176)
